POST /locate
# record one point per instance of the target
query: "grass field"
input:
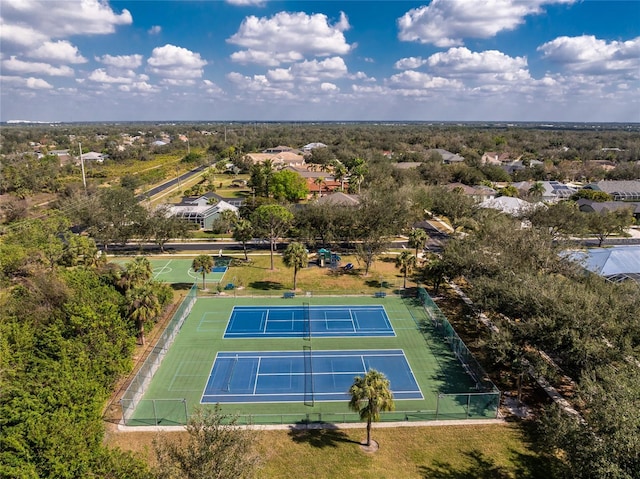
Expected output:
(497, 451)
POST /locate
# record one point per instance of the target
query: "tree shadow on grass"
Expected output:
(266, 285)
(327, 436)
(526, 466)
(480, 467)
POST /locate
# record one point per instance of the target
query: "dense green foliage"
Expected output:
(67, 335)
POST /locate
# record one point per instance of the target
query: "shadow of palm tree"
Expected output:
(266, 285)
(328, 436)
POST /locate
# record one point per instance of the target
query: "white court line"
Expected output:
(162, 269)
(255, 383)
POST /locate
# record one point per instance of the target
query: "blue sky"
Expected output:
(261, 60)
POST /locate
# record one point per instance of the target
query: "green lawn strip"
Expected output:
(477, 451)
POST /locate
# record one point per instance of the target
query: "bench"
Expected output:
(380, 294)
(289, 294)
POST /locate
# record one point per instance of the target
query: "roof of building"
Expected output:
(616, 186)
(615, 263)
(508, 204)
(339, 199)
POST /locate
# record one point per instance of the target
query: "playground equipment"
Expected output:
(327, 258)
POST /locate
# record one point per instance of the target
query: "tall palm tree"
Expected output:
(370, 395)
(136, 273)
(203, 264)
(339, 172)
(143, 306)
(319, 181)
(295, 256)
(406, 262)
(418, 239)
(243, 232)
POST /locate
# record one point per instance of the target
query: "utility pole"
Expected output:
(84, 178)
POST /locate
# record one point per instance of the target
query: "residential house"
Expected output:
(478, 193)
(619, 190)
(339, 199)
(277, 149)
(510, 205)
(590, 206)
(279, 160)
(493, 158)
(312, 146)
(554, 191)
(447, 157)
(200, 210)
(94, 156)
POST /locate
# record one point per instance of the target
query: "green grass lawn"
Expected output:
(497, 451)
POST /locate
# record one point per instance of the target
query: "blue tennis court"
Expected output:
(299, 321)
(288, 376)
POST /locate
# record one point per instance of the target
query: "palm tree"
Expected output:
(339, 172)
(202, 264)
(319, 182)
(406, 262)
(295, 256)
(418, 239)
(370, 395)
(136, 273)
(243, 232)
(537, 190)
(143, 306)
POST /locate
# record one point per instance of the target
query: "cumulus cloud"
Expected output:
(30, 82)
(462, 61)
(139, 87)
(121, 61)
(588, 54)
(61, 51)
(154, 30)
(60, 19)
(22, 67)
(21, 35)
(412, 80)
(289, 37)
(101, 76)
(409, 63)
(445, 23)
(175, 63)
(329, 87)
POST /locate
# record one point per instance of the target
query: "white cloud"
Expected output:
(409, 63)
(289, 37)
(61, 51)
(445, 23)
(246, 3)
(30, 82)
(462, 61)
(176, 63)
(314, 70)
(121, 61)
(101, 76)
(21, 35)
(139, 87)
(19, 66)
(329, 87)
(589, 54)
(60, 19)
(412, 80)
(280, 74)
(155, 30)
